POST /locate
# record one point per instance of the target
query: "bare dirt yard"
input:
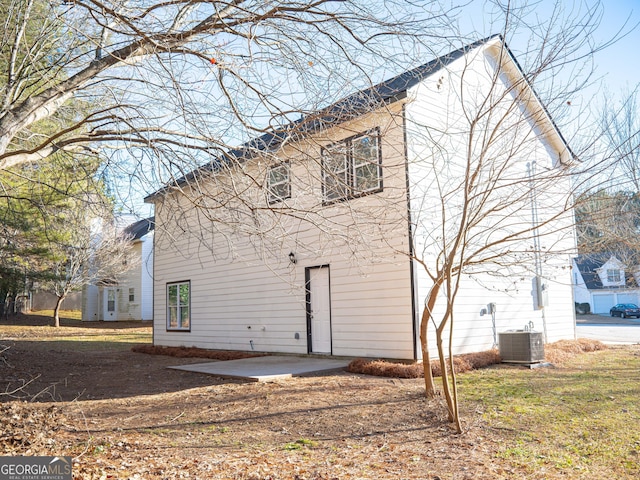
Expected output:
(80, 391)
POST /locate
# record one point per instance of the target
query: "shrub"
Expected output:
(554, 353)
(385, 368)
(193, 352)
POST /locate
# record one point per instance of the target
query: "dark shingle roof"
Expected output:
(139, 229)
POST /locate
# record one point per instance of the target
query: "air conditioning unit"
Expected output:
(521, 346)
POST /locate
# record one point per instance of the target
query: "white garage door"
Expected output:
(627, 298)
(602, 303)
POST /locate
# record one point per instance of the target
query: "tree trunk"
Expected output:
(56, 311)
(429, 385)
(444, 367)
(454, 387)
(454, 397)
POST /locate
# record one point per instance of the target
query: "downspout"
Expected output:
(412, 274)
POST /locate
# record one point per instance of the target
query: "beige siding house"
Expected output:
(311, 240)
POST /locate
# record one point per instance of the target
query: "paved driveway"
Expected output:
(608, 329)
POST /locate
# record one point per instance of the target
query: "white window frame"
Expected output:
(335, 173)
(176, 309)
(342, 169)
(614, 275)
(279, 182)
(132, 294)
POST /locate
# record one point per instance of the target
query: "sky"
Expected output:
(620, 63)
(617, 67)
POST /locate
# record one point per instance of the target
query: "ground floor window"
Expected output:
(179, 306)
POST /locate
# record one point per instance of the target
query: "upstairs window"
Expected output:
(352, 168)
(132, 295)
(614, 275)
(179, 306)
(279, 183)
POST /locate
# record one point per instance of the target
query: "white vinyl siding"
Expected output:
(255, 298)
(146, 278)
(431, 146)
(136, 285)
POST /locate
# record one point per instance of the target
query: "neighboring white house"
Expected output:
(321, 266)
(129, 297)
(603, 280)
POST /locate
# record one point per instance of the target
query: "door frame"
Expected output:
(307, 284)
(105, 304)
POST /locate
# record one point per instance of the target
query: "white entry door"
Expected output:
(319, 310)
(110, 304)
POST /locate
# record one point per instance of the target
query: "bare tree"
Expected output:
(500, 203)
(608, 222)
(621, 128)
(607, 212)
(87, 250)
(184, 79)
(497, 207)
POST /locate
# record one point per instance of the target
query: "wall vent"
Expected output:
(521, 346)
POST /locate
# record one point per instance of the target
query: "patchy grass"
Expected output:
(75, 334)
(580, 421)
(577, 421)
(64, 314)
(300, 444)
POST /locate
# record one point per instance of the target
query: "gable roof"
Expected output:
(139, 229)
(588, 264)
(350, 107)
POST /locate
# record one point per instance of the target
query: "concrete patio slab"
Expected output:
(268, 368)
